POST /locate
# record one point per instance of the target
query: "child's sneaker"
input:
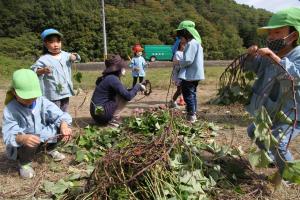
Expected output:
(26, 171)
(192, 118)
(173, 104)
(114, 123)
(57, 156)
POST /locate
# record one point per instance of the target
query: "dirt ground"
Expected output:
(232, 121)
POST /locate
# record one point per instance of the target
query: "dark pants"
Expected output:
(189, 92)
(141, 78)
(26, 154)
(63, 104)
(177, 93)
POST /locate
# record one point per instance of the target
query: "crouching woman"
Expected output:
(31, 122)
(110, 95)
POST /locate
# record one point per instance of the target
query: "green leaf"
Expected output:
(81, 156)
(282, 117)
(78, 76)
(56, 188)
(291, 171)
(74, 177)
(259, 159)
(99, 110)
(213, 127)
(59, 87)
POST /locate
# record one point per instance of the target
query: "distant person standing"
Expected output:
(138, 64)
(191, 66)
(54, 69)
(178, 55)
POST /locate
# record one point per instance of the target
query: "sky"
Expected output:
(271, 5)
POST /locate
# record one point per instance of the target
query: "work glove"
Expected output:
(142, 87)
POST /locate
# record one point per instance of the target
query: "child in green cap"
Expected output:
(191, 66)
(54, 69)
(31, 121)
(271, 91)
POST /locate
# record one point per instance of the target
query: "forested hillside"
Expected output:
(225, 26)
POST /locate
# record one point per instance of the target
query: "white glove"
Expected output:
(142, 88)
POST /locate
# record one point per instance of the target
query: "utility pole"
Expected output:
(104, 31)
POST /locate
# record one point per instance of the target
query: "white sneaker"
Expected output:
(192, 118)
(114, 123)
(57, 156)
(173, 104)
(26, 171)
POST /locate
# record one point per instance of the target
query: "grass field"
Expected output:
(159, 77)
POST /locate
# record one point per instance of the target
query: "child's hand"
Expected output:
(65, 131)
(28, 140)
(47, 70)
(44, 70)
(176, 62)
(266, 52)
(252, 50)
(73, 57)
(136, 69)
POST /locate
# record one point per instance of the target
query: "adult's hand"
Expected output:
(142, 87)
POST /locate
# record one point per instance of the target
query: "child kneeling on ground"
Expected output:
(31, 121)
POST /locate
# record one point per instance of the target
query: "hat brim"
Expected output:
(28, 94)
(58, 34)
(264, 30)
(115, 68)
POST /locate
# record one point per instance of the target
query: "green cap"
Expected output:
(286, 17)
(26, 84)
(190, 26)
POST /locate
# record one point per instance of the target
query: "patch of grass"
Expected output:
(159, 77)
(8, 66)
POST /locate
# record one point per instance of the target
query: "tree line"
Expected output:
(226, 27)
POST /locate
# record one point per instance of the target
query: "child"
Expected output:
(31, 121)
(138, 64)
(54, 69)
(110, 95)
(283, 48)
(191, 66)
(178, 55)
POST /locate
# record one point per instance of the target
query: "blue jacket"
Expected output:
(272, 89)
(138, 62)
(191, 66)
(58, 84)
(44, 119)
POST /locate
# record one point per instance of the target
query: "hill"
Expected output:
(225, 26)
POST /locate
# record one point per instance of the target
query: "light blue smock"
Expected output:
(140, 63)
(272, 90)
(44, 119)
(191, 66)
(58, 84)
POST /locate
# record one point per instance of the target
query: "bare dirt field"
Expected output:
(232, 121)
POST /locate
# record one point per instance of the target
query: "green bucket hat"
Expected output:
(286, 17)
(26, 84)
(190, 26)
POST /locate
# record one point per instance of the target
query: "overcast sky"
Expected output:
(271, 5)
